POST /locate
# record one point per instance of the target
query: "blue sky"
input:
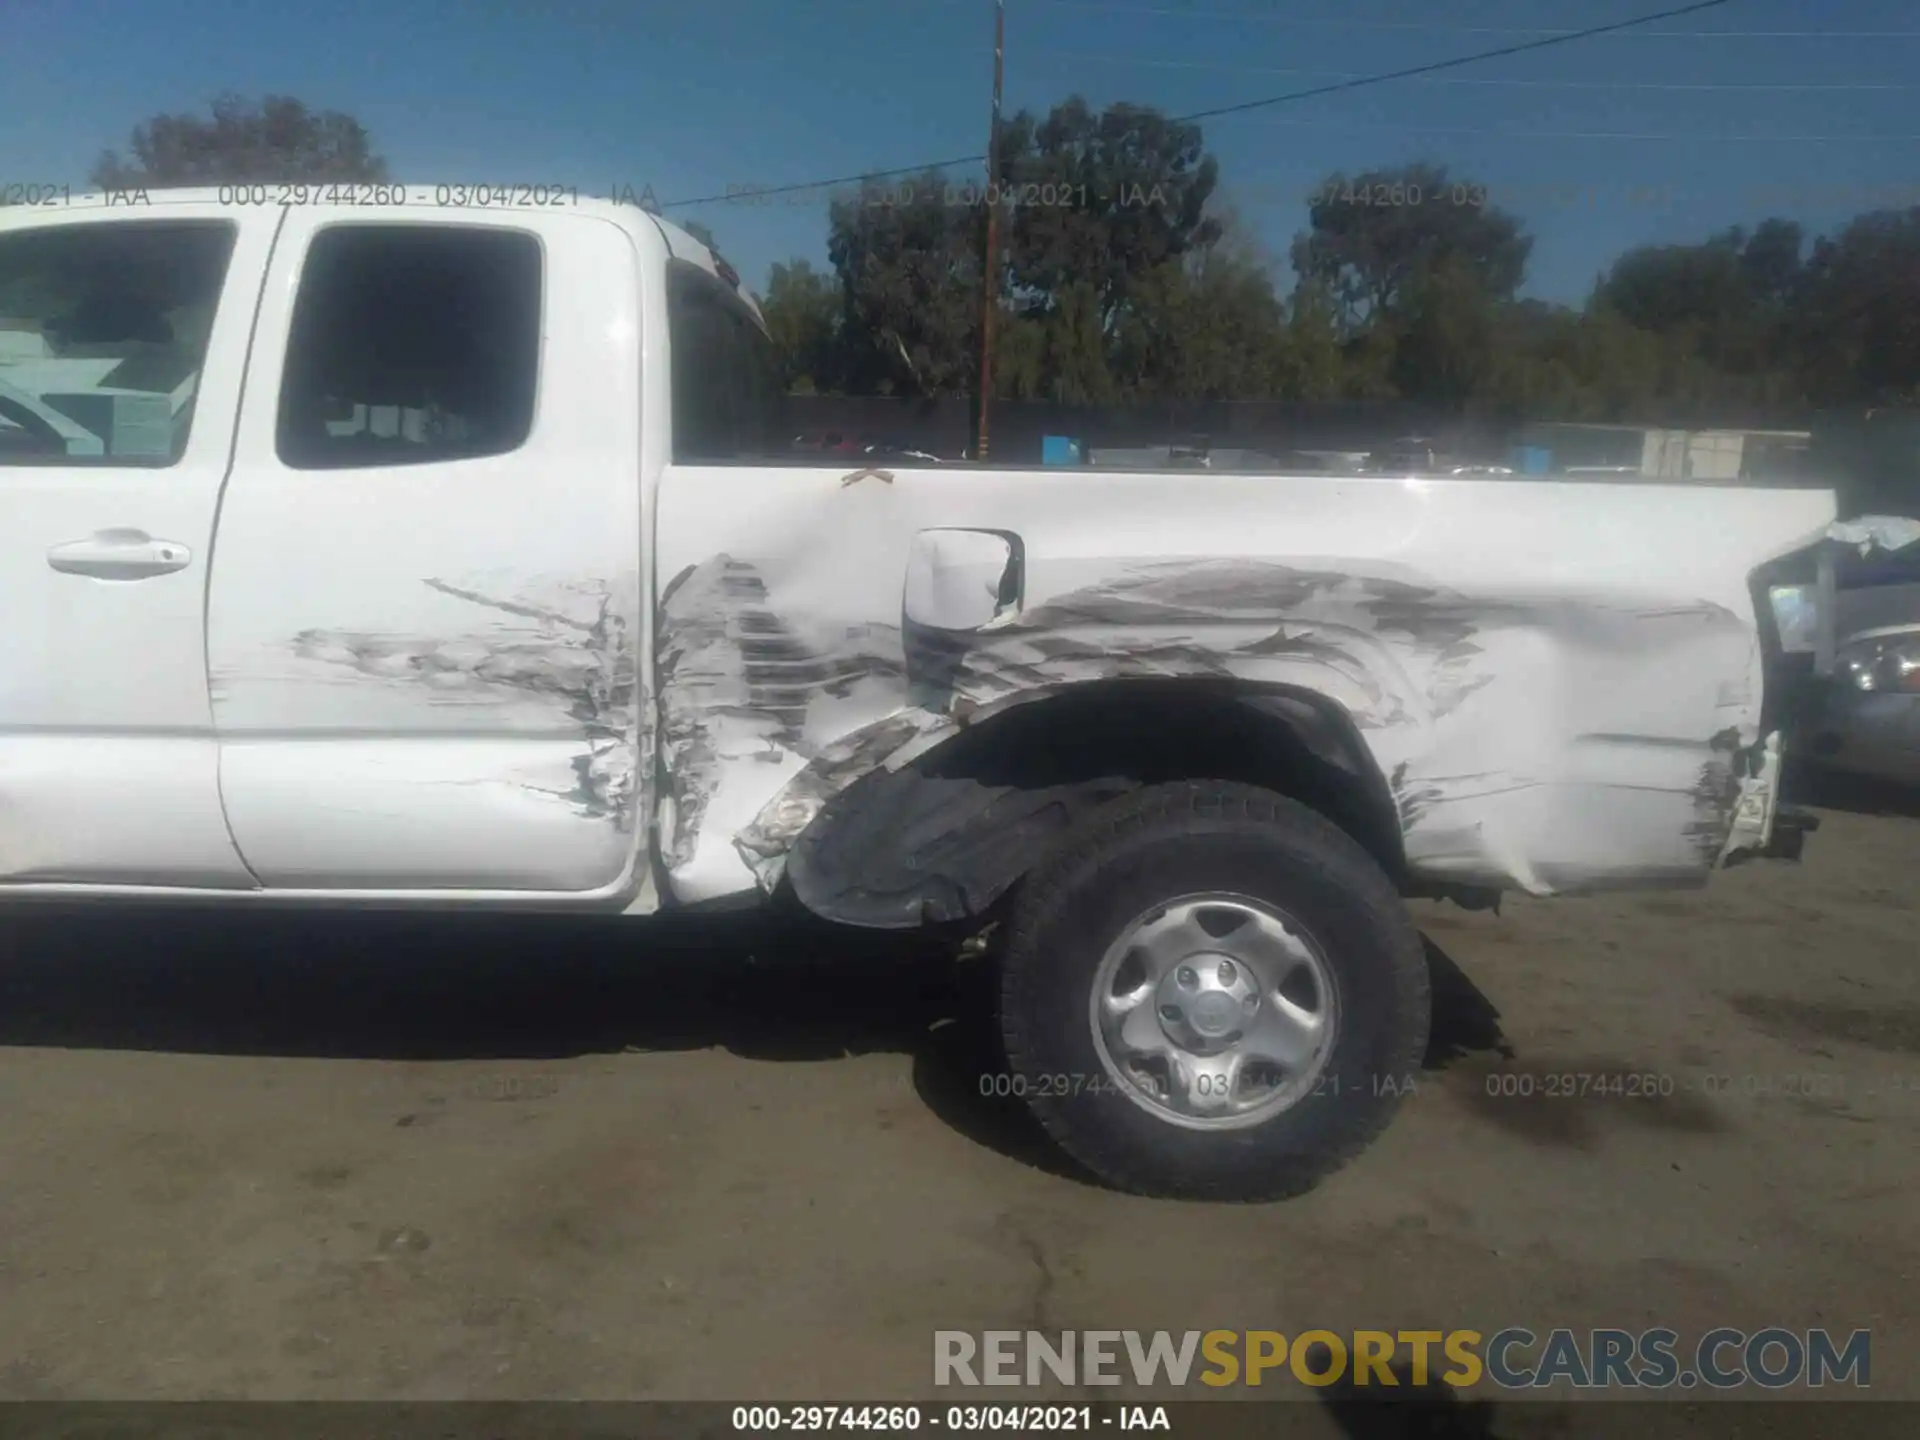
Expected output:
(1809, 108)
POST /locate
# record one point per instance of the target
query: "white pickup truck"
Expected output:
(420, 552)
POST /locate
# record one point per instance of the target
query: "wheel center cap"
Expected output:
(1206, 1001)
(1214, 1013)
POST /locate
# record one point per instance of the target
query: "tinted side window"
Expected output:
(726, 389)
(103, 332)
(411, 344)
(701, 340)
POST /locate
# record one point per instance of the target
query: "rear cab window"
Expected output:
(103, 334)
(411, 344)
(728, 403)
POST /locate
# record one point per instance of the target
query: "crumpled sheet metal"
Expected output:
(1876, 532)
(1447, 691)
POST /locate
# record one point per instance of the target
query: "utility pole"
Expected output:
(990, 272)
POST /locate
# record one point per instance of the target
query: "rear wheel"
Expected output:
(1211, 991)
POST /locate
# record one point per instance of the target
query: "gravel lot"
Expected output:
(346, 1157)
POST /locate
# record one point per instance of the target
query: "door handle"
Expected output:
(119, 555)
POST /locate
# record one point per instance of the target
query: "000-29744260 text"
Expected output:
(961, 1419)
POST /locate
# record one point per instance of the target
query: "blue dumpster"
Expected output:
(1059, 450)
(1532, 459)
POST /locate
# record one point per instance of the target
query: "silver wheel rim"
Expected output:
(1214, 1011)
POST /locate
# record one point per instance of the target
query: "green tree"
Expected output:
(1124, 277)
(909, 265)
(1773, 262)
(802, 310)
(1619, 365)
(1666, 287)
(276, 139)
(1725, 301)
(1856, 327)
(1374, 238)
(1099, 200)
(1313, 362)
(1019, 356)
(1074, 348)
(1444, 328)
(1206, 326)
(1094, 203)
(1530, 368)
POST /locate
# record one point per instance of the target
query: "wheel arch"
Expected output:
(942, 838)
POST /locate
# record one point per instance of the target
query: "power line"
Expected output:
(1418, 26)
(1758, 85)
(1337, 87)
(1533, 133)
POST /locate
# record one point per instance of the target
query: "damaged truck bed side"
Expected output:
(446, 565)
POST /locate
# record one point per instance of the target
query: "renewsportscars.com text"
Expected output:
(1511, 1359)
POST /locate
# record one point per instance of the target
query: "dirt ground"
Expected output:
(268, 1156)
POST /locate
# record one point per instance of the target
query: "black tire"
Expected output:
(1168, 841)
